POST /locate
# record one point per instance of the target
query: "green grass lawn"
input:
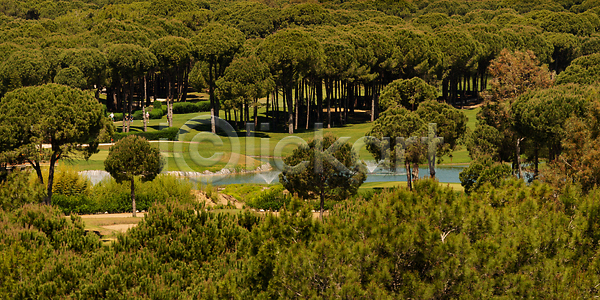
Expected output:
(394, 184)
(199, 150)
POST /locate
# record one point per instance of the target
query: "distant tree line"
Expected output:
(315, 62)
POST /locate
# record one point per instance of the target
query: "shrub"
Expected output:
(188, 107)
(68, 182)
(272, 199)
(156, 104)
(242, 192)
(138, 115)
(156, 114)
(169, 134)
(118, 116)
(18, 189)
(203, 106)
(110, 196)
(77, 204)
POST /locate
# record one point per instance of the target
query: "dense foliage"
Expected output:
(514, 241)
(406, 63)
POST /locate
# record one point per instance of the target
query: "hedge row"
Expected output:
(169, 134)
(188, 107)
(159, 110)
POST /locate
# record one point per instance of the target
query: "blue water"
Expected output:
(443, 174)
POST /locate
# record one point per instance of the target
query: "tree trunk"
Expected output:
(297, 105)
(308, 99)
(144, 118)
(319, 92)
(536, 161)
(38, 170)
(124, 106)
(408, 174)
(518, 157)
(431, 164)
(186, 83)
(53, 158)
(329, 93)
(211, 94)
(290, 106)
(322, 196)
(373, 103)
(133, 196)
(267, 112)
(415, 171)
(146, 98)
(169, 99)
(256, 113)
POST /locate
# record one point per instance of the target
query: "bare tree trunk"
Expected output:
(415, 171)
(133, 196)
(213, 106)
(290, 105)
(169, 99)
(53, 158)
(518, 157)
(297, 105)
(267, 113)
(408, 174)
(256, 113)
(322, 196)
(146, 98)
(319, 92)
(144, 118)
(308, 99)
(38, 170)
(329, 93)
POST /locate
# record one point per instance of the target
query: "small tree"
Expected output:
(481, 171)
(406, 92)
(396, 138)
(325, 168)
(130, 157)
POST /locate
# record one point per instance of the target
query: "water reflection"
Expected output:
(443, 173)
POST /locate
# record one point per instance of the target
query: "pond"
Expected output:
(448, 174)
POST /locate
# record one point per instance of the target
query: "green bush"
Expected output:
(77, 204)
(138, 115)
(156, 114)
(242, 192)
(18, 189)
(203, 106)
(169, 134)
(157, 104)
(118, 116)
(272, 199)
(188, 107)
(112, 197)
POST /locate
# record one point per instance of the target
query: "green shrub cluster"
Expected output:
(188, 107)
(168, 133)
(271, 199)
(112, 197)
(242, 192)
(20, 187)
(156, 114)
(511, 241)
